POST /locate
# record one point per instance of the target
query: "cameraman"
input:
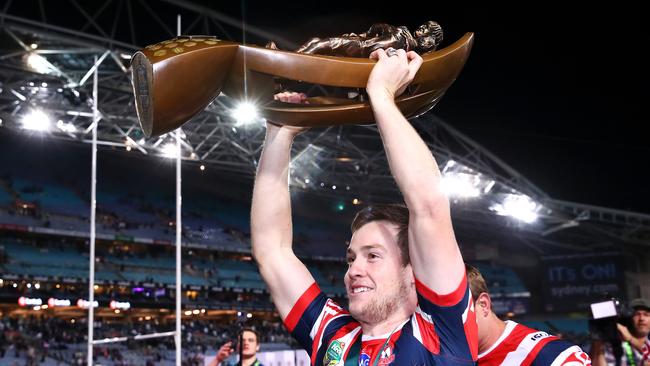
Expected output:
(634, 342)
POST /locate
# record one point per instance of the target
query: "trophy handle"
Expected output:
(173, 86)
(176, 79)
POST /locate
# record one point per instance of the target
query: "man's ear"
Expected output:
(483, 304)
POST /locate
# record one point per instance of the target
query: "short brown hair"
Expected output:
(395, 213)
(257, 335)
(477, 283)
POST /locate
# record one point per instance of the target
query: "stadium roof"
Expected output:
(49, 53)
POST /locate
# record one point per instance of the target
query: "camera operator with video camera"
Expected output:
(616, 344)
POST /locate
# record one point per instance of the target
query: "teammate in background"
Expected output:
(512, 344)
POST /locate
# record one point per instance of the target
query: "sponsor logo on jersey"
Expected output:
(364, 360)
(334, 353)
(539, 335)
(386, 357)
(577, 359)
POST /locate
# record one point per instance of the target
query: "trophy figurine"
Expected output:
(427, 38)
(176, 79)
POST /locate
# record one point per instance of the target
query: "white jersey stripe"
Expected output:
(470, 307)
(320, 338)
(330, 308)
(417, 333)
(416, 327)
(526, 345)
(565, 354)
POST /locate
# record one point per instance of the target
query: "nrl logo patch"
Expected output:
(334, 353)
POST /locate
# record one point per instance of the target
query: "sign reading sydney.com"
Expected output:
(573, 282)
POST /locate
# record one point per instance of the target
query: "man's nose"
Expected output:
(356, 268)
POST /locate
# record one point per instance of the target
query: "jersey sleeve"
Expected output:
(314, 319)
(446, 324)
(557, 352)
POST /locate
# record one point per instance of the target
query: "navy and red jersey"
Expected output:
(520, 345)
(442, 331)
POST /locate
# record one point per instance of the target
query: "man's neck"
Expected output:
(385, 327)
(248, 361)
(496, 327)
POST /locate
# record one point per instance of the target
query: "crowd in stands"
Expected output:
(220, 269)
(34, 339)
(63, 205)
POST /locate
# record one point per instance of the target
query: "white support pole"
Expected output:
(178, 230)
(93, 208)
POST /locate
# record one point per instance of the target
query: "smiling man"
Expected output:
(410, 303)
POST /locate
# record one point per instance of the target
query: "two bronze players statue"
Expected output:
(426, 38)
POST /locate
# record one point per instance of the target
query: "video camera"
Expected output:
(604, 316)
(602, 324)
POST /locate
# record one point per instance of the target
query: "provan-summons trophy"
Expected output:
(176, 79)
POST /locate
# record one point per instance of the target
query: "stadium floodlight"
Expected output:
(39, 63)
(66, 127)
(519, 206)
(460, 181)
(36, 120)
(169, 150)
(461, 185)
(244, 113)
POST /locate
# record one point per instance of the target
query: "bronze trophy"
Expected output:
(176, 79)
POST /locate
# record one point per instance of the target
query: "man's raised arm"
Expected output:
(435, 256)
(271, 230)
